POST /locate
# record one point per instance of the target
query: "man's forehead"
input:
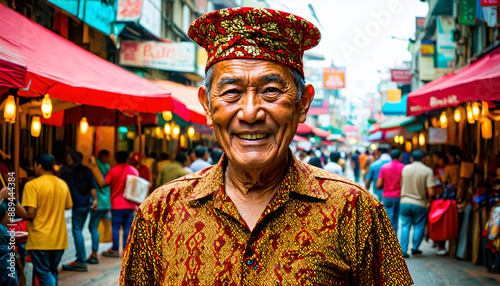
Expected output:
(261, 69)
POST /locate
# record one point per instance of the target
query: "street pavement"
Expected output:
(427, 269)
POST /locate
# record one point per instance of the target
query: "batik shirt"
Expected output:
(318, 229)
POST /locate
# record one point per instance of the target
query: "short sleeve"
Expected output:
(381, 173)
(69, 200)
(138, 266)
(370, 173)
(109, 177)
(431, 181)
(30, 198)
(371, 246)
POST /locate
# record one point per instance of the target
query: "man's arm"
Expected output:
(30, 213)
(368, 181)
(93, 192)
(380, 183)
(98, 176)
(430, 196)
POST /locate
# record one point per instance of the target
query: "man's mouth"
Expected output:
(253, 136)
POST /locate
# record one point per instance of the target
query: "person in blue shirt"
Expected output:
(200, 163)
(372, 175)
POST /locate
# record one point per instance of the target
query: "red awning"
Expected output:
(12, 74)
(190, 108)
(67, 72)
(478, 81)
(298, 138)
(305, 128)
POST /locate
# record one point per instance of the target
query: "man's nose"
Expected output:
(251, 109)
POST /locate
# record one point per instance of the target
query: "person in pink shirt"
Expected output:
(122, 210)
(389, 179)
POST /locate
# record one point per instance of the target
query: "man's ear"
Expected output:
(305, 101)
(203, 98)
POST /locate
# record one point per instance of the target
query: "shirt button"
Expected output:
(249, 262)
(250, 252)
(256, 266)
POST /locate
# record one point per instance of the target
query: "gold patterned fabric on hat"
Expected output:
(254, 33)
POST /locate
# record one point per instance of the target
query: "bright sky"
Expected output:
(357, 34)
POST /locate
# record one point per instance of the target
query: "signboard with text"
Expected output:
(147, 12)
(178, 56)
(467, 12)
(438, 135)
(401, 75)
(490, 3)
(445, 45)
(333, 78)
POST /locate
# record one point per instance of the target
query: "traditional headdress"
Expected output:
(254, 33)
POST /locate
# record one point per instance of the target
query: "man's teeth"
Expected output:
(252, 136)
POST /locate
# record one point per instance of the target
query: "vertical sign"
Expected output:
(445, 45)
(333, 78)
(467, 12)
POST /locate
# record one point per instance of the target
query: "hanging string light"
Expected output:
(470, 115)
(9, 110)
(457, 115)
(484, 108)
(486, 129)
(475, 110)
(167, 115)
(401, 139)
(396, 139)
(176, 131)
(167, 128)
(46, 107)
(158, 131)
(36, 126)
(443, 120)
(191, 132)
(84, 125)
(421, 139)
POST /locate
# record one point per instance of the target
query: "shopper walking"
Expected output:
(389, 179)
(122, 210)
(45, 199)
(374, 170)
(417, 192)
(103, 204)
(173, 170)
(82, 187)
(333, 166)
(200, 163)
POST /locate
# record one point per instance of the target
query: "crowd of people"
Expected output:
(420, 191)
(92, 188)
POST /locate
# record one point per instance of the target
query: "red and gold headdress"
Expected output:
(254, 33)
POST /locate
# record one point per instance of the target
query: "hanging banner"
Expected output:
(467, 12)
(333, 78)
(438, 135)
(401, 76)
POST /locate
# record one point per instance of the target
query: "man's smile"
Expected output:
(255, 136)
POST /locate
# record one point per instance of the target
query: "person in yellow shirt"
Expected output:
(45, 199)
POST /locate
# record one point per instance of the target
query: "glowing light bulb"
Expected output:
(443, 120)
(176, 130)
(9, 111)
(475, 110)
(457, 115)
(84, 125)
(396, 139)
(46, 107)
(421, 139)
(191, 132)
(36, 126)
(167, 115)
(167, 128)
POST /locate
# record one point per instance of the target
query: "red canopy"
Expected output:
(478, 81)
(190, 108)
(12, 74)
(298, 138)
(306, 128)
(67, 72)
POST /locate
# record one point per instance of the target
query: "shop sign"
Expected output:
(445, 45)
(178, 56)
(394, 95)
(333, 78)
(420, 22)
(427, 48)
(490, 3)
(467, 12)
(438, 135)
(426, 70)
(98, 14)
(147, 12)
(402, 76)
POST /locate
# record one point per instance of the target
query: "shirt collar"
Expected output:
(299, 179)
(385, 157)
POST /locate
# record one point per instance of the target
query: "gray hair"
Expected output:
(297, 76)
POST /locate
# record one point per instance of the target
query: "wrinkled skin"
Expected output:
(250, 97)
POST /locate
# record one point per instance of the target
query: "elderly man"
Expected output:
(260, 216)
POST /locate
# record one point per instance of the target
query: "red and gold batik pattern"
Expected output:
(254, 33)
(318, 229)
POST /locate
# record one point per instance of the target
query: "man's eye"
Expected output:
(232, 91)
(271, 90)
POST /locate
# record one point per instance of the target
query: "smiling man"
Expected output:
(260, 216)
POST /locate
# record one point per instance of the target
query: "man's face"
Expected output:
(254, 110)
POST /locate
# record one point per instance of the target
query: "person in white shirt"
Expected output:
(333, 166)
(200, 163)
